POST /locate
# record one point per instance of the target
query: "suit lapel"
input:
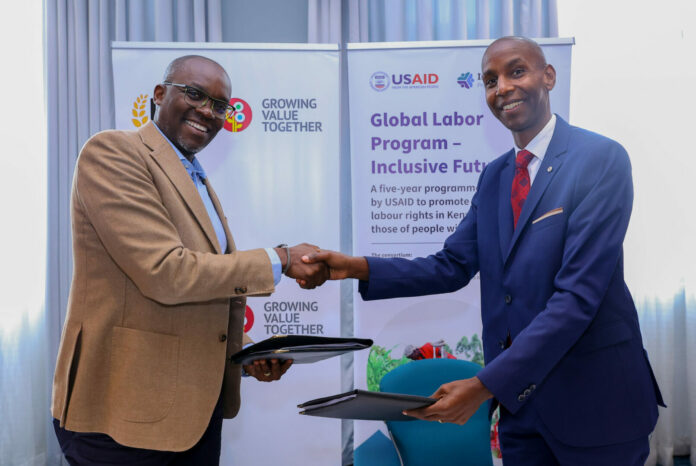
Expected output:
(505, 221)
(553, 160)
(163, 154)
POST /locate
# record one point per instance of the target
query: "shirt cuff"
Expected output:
(275, 264)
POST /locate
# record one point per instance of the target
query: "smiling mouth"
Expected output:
(197, 126)
(512, 106)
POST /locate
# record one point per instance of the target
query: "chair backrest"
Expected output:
(431, 443)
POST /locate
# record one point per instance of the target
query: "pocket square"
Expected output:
(548, 214)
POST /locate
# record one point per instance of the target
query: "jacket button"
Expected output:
(501, 343)
(521, 398)
(532, 387)
(223, 337)
(527, 392)
(240, 290)
(508, 299)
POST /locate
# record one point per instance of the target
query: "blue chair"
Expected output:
(430, 443)
(377, 450)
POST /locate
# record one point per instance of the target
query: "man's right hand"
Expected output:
(340, 265)
(310, 274)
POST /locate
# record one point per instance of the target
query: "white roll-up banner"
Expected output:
(421, 134)
(275, 168)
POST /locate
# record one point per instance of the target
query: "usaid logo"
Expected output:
(379, 81)
(415, 79)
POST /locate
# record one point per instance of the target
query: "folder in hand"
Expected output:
(302, 349)
(365, 405)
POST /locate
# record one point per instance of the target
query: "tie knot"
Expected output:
(197, 172)
(194, 169)
(523, 158)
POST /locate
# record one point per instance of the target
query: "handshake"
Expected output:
(311, 266)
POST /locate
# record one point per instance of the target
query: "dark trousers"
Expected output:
(99, 449)
(525, 440)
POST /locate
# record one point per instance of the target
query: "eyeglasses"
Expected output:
(197, 99)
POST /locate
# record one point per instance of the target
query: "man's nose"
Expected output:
(503, 86)
(206, 109)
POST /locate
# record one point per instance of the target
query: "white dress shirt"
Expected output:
(538, 146)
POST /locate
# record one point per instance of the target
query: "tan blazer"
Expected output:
(155, 308)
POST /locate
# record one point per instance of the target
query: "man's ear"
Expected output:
(549, 77)
(158, 94)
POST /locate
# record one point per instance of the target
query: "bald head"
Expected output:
(523, 43)
(181, 63)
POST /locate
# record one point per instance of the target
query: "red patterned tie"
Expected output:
(521, 183)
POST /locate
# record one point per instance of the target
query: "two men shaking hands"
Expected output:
(158, 294)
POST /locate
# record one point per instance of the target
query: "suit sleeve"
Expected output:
(116, 192)
(591, 254)
(446, 271)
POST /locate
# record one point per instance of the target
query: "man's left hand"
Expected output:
(458, 401)
(267, 370)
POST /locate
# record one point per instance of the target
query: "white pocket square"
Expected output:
(548, 214)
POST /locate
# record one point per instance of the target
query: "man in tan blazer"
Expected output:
(158, 293)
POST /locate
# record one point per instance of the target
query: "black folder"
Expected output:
(302, 349)
(365, 405)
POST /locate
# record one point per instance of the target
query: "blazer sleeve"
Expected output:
(592, 251)
(446, 271)
(116, 193)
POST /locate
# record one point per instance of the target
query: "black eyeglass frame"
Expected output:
(185, 89)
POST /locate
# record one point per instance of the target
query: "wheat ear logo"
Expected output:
(138, 111)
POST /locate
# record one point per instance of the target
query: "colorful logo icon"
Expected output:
(466, 80)
(379, 81)
(248, 319)
(239, 118)
(139, 111)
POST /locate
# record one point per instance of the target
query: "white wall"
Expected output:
(634, 80)
(23, 182)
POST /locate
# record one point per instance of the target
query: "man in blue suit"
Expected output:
(562, 344)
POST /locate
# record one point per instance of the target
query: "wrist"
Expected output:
(283, 252)
(482, 389)
(360, 268)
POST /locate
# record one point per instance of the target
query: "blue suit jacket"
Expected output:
(555, 284)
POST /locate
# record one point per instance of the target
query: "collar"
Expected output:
(539, 145)
(192, 167)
